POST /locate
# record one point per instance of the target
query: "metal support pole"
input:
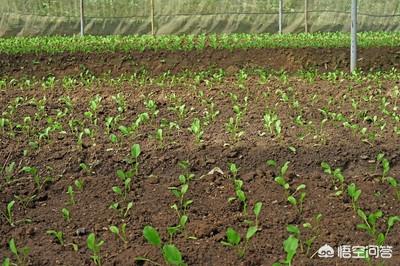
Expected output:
(353, 52)
(306, 16)
(280, 15)
(82, 18)
(152, 17)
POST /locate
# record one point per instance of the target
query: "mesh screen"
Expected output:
(104, 17)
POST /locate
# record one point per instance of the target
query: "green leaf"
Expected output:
(257, 208)
(380, 239)
(121, 175)
(361, 214)
(13, 247)
(251, 232)
(271, 163)
(327, 169)
(114, 229)
(284, 168)
(172, 255)
(232, 236)
(91, 241)
(363, 227)
(292, 200)
(392, 220)
(6, 262)
(300, 187)
(293, 229)
(135, 151)
(290, 246)
(152, 236)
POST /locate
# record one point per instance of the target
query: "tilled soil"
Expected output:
(305, 145)
(158, 62)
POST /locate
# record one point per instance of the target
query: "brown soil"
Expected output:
(158, 62)
(211, 213)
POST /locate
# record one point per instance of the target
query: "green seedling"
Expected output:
(119, 232)
(179, 193)
(187, 176)
(210, 114)
(9, 213)
(94, 106)
(298, 200)
(290, 246)
(171, 254)
(233, 238)
(337, 175)
(395, 185)
(123, 211)
(9, 171)
(79, 184)
(20, 254)
(160, 137)
(234, 170)
(381, 160)
(271, 163)
(314, 226)
(57, 235)
(94, 246)
(280, 179)
(134, 157)
(272, 123)
(66, 214)
(126, 178)
(354, 193)
(240, 195)
(370, 225)
(71, 194)
(196, 130)
(119, 99)
(152, 107)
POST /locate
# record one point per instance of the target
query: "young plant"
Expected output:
(9, 213)
(196, 130)
(298, 200)
(272, 123)
(119, 232)
(57, 235)
(20, 254)
(395, 185)
(171, 254)
(160, 137)
(71, 194)
(233, 238)
(94, 246)
(66, 214)
(134, 157)
(354, 193)
(337, 175)
(240, 194)
(290, 246)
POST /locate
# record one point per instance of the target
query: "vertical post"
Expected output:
(306, 16)
(280, 15)
(82, 18)
(152, 17)
(353, 50)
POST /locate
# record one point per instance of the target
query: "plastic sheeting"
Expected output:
(121, 17)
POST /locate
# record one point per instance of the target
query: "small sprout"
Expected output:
(94, 247)
(196, 130)
(58, 235)
(354, 194)
(290, 246)
(121, 233)
(21, 254)
(9, 213)
(271, 163)
(66, 214)
(79, 183)
(171, 254)
(71, 194)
